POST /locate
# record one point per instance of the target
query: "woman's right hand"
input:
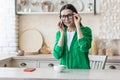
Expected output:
(61, 26)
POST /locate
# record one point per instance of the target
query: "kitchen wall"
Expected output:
(110, 24)
(8, 28)
(110, 19)
(47, 25)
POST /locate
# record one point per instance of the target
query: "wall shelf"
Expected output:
(53, 6)
(50, 12)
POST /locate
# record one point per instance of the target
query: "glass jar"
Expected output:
(109, 47)
(102, 47)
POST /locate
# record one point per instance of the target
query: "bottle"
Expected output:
(109, 48)
(94, 48)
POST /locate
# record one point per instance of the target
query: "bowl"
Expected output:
(59, 68)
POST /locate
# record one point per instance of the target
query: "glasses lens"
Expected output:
(63, 17)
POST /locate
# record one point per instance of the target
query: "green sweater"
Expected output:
(77, 57)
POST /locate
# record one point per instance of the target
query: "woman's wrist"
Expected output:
(79, 32)
(60, 43)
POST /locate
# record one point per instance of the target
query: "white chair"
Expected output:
(97, 61)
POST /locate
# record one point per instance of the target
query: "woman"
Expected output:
(73, 40)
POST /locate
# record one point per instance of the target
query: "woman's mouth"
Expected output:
(67, 23)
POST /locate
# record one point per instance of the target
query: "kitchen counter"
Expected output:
(2, 57)
(36, 57)
(50, 74)
(50, 57)
(112, 59)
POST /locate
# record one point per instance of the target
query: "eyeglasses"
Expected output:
(69, 16)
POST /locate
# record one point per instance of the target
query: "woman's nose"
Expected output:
(67, 18)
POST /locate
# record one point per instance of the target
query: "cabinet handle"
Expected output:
(23, 64)
(5, 65)
(112, 67)
(50, 64)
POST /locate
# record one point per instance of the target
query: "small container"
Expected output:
(109, 52)
(94, 48)
(59, 68)
(47, 6)
(109, 48)
(20, 53)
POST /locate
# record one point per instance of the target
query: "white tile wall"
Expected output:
(110, 23)
(8, 28)
(110, 26)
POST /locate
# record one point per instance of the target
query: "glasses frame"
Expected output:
(69, 16)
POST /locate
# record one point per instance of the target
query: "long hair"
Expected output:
(68, 6)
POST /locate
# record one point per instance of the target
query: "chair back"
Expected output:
(97, 61)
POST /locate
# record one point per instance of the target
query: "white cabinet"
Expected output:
(46, 64)
(33, 63)
(5, 63)
(113, 62)
(24, 63)
(112, 66)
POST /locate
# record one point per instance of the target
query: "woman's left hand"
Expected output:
(77, 19)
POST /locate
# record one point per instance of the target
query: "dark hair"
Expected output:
(68, 6)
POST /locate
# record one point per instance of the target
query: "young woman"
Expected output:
(73, 40)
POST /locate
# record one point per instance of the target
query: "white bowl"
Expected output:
(59, 68)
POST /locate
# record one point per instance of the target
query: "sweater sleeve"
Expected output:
(84, 44)
(57, 52)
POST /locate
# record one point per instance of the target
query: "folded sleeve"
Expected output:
(84, 44)
(57, 52)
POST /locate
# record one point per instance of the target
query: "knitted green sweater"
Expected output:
(77, 57)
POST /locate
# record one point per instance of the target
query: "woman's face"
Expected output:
(67, 17)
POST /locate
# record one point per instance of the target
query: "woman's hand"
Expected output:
(61, 26)
(77, 19)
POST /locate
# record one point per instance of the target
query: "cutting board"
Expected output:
(30, 40)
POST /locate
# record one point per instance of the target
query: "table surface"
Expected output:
(68, 74)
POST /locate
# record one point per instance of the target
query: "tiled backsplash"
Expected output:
(8, 27)
(110, 23)
(110, 26)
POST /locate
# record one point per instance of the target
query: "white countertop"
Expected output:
(50, 74)
(36, 57)
(113, 59)
(50, 57)
(2, 57)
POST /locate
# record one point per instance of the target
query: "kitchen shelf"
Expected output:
(82, 6)
(50, 12)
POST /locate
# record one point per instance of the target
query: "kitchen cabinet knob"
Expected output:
(5, 65)
(23, 64)
(112, 67)
(50, 64)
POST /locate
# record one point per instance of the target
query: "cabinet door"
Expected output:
(5, 63)
(112, 66)
(47, 64)
(24, 63)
